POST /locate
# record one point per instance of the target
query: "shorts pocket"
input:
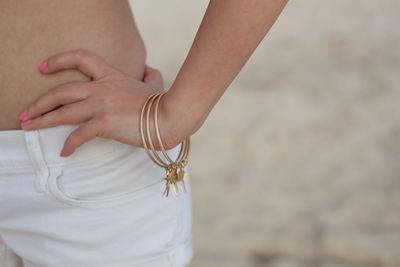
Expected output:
(112, 181)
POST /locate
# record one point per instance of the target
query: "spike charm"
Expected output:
(181, 178)
(173, 177)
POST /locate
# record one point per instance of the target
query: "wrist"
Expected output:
(180, 120)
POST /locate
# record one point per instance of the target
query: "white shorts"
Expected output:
(100, 207)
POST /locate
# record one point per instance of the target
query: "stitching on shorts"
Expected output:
(56, 193)
(77, 163)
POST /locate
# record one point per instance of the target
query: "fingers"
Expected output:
(87, 62)
(61, 95)
(70, 114)
(153, 78)
(81, 135)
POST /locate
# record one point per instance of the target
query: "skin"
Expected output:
(111, 102)
(33, 30)
(229, 33)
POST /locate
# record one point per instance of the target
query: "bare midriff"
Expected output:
(33, 30)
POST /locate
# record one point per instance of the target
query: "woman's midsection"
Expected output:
(31, 31)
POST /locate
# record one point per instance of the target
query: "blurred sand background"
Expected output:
(298, 163)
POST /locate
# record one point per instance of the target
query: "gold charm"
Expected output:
(181, 174)
(183, 188)
(174, 186)
(166, 191)
(169, 180)
(181, 178)
(173, 177)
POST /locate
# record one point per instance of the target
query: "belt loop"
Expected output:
(38, 161)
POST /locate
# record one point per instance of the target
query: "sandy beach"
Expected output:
(298, 165)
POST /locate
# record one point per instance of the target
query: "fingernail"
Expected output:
(23, 114)
(62, 152)
(43, 66)
(26, 122)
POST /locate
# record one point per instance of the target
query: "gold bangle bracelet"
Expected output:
(142, 133)
(172, 176)
(158, 132)
(161, 162)
(156, 97)
(183, 152)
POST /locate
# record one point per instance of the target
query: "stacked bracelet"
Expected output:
(173, 176)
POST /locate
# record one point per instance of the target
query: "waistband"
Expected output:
(16, 146)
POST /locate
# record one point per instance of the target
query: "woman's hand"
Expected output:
(110, 104)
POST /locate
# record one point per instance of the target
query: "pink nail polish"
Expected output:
(26, 122)
(23, 114)
(62, 152)
(43, 66)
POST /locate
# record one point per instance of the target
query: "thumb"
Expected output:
(153, 77)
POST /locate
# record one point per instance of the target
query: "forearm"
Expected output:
(228, 35)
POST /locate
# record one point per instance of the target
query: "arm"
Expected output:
(110, 104)
(228, 35)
